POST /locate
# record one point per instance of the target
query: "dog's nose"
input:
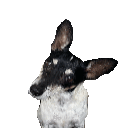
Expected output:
(34, 90)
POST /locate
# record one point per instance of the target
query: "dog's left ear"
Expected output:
(98, 67)
(64, 36)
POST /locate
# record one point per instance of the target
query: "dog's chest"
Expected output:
(64, 108)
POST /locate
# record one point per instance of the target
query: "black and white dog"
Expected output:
(59, 86)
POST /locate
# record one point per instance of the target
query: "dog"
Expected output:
(59, 87)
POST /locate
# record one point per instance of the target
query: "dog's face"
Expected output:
(64, 69)
(61, 68)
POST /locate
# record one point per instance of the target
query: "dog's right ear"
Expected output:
(64, 36)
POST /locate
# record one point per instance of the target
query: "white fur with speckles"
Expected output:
(73, 108)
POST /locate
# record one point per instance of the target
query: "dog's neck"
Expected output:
(58, 94)
(62, 108)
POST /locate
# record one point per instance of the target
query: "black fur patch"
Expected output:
(55, 74)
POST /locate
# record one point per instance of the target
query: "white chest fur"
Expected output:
(64, 109)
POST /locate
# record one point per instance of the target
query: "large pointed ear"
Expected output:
(64, 36)
(98, 67)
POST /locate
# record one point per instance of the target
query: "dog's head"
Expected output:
(65, 70)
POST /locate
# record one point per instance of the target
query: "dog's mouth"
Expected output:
(70, 89)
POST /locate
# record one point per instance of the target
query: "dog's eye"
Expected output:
(48, 67)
